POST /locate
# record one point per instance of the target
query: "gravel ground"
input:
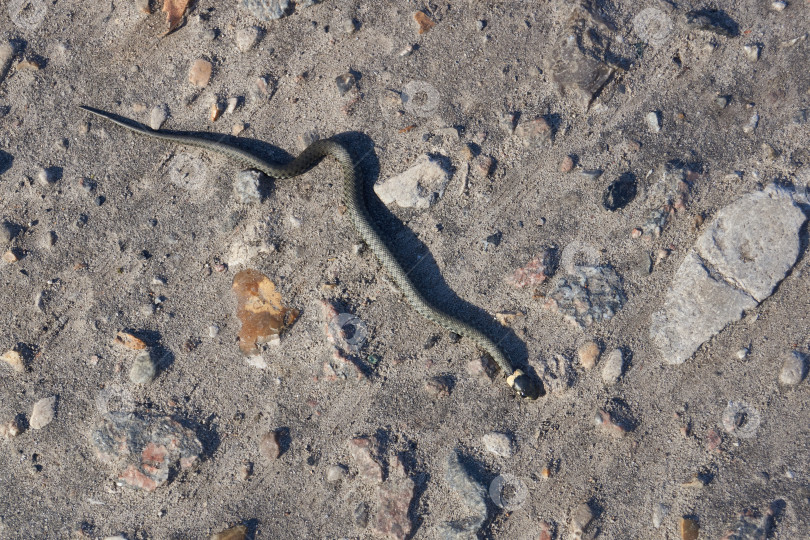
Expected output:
(566, 175)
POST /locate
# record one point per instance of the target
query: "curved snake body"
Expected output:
(354, 199)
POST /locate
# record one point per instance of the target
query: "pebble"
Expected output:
(261, 311)
(233, 103)
(213, 331)
(9, 430)
(45, 176)
(484, 165)
(129, 341)
(581, 517)
(394, 499)
(591, 174)
(200, 72)
(420, 187)
(556, 373)
(424, 22)
(742, 353)
(6, 232)
(644, 263)
(660, 511)
(336, 473)
(270, 446)
(653, 119)
(143, 369)
(345, 83)
(778, 5)
(144, 450)
(472, 493)
(238, 532)
(158, 116)
(246, 187)
(613, 367)
(349, 26)
(588, 354)
(499, 444)
(15, 360)
(247, 38)
(794, 369)
(268, 10)
(367, 468)
(752, 51)
(620, 192)
(536, 131)
(752, 243)
(752, 124)
(566, 164)
(722, 101)
(588, 295)
(43, 412)
(535, 272)
(688, 529)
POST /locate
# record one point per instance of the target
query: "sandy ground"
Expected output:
(144, 248)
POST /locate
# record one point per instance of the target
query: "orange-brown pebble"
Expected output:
(200, 72)
(688, 529)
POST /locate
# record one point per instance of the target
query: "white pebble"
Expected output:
(654, 121)
(778, 5)
(752, 51)
(246, 38)
(752, 124)
(143, 369)
(335, 473)
(233, 103)
(742, 353)
(793, 369)
(43, 412)
(45, 176)
(158, 116)
(613, 367)
(498, 443)
(246, 187)
(295, 222)
(213, 331)
(659, 513)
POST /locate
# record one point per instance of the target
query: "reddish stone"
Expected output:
(367, 467)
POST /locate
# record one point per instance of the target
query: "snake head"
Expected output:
(525, 386)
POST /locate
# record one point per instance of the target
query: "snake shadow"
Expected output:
(417, 259)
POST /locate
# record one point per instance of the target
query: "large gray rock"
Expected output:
(755, 241)
(697, 306)
(738, 261)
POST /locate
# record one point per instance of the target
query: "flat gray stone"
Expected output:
(419, 187)
(754, 241)
(268, 10)
(697, 306)
(474, 496)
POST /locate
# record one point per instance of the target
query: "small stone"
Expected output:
(215, 111)
(644, 264)
(752, 51)
(499, 444)
(588, 354)
(270, 446)
(421, 186)
(234, 533)
(480, 25)
(535, 131)
(233, 103)
(535, 272)
(349, 26)
(591, 174)
(143, 369)
(393, 501)
(213, 331)
(129, 341)
(636, 233)
(268, 10)
(261, 311)
(613, 367)
(144, 449)
(43, 412)
(158, 116)
(778, 5)
(688, 529)
(437, 387)
(238, 128)
(336, 473)
(246, 38)
(794, 369)
(45, 176)
(722, 101)
(620, 192)
(472, 493)
(660, 511)
(752, 124)
(345, 82)
(15, 360)
(246, 187)
(9, 430)
(368, 469)
(742, 353)
(425, 23)
(567, 164)
(581, 517)
(653, 119)
(200, 72)
(483, 165)
(11, 256)
(6, 233)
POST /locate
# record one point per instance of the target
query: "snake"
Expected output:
(360, 217)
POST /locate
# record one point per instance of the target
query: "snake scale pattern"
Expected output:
(354, 199)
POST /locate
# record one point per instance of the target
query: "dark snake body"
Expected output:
(354, 199)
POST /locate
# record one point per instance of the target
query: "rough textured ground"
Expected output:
(152, 257)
